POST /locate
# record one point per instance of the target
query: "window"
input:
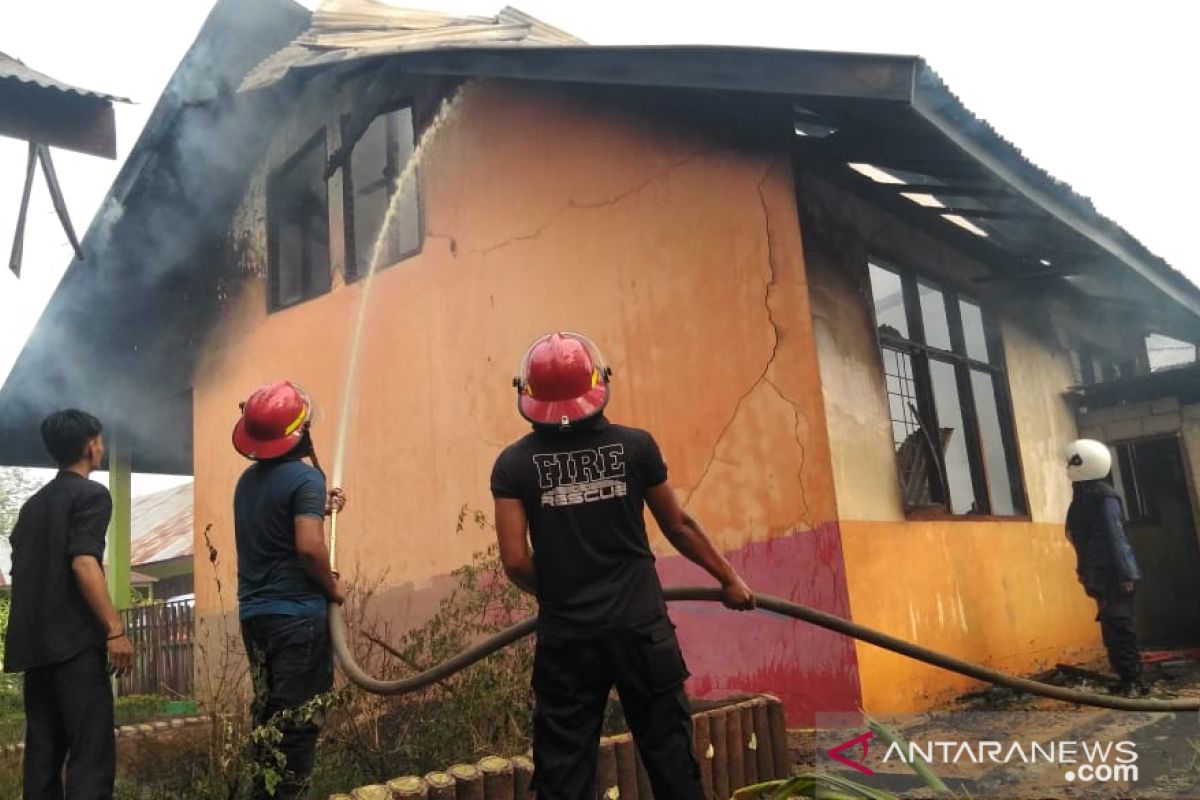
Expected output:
(947, 398)
(370, 183)
(298, 227)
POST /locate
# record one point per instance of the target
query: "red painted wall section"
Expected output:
(810, 669)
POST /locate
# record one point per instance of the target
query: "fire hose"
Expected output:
(765, 602)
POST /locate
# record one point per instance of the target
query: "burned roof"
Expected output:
(15, 69)
(119, 336)
(885, 125)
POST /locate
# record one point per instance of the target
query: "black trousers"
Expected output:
(1115, 615)
(291, 662)
(571, 682)
(69, 720)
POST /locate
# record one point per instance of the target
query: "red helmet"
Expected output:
(273, 421)
(563, 380)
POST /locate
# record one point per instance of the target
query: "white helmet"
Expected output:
(1088, 460)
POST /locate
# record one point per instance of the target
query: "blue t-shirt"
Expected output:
(271, 577)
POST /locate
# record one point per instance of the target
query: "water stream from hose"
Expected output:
(445, 113)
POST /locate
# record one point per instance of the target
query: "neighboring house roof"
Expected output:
(884, 125)
(161, 526)
(15, 69)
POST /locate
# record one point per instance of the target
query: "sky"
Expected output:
(1097, 93)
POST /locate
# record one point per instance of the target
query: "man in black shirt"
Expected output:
(63, 631)
(578, 484)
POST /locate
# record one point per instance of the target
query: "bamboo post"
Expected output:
(119, 475)
(468, 782)
(441, 786)
(497, 778)
(375, 791)
(763, 755)
(522, 778)
(702, 743)
(779, 748)
(749, 744)
(720, 764)
(606, 770)
(627, 783)
(733, 748)
(408, 786)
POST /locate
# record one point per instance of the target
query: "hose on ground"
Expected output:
(768, 603)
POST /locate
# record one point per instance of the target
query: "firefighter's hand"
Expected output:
(120, 654)
(337, 594)
(335, 500)
(736, 594)
(1127, 587)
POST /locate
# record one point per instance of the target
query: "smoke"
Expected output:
(122, 334)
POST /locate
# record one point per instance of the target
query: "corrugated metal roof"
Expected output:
(352, 30)
(161, 525)
(14, 69)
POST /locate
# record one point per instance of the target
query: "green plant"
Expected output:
(828, 786)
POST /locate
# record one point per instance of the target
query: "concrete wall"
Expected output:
(680, 256)
(1001, 593)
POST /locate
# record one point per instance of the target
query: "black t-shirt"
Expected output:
(583, 494)
(49, 621)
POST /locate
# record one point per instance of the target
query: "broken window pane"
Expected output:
(933, 315)
(973, 332)
(888, 292)
(298, 227)
(995, 446)
(953, 437)
(376, 164)
(914, 458)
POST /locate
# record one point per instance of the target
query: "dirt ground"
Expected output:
(1167, 745)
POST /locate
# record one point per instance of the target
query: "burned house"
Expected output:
(845, 306)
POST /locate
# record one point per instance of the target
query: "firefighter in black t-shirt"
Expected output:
(578, 484)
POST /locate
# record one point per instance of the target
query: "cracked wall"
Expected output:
(678, 254)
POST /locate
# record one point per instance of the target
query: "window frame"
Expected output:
(319, 139)
(921, 354)
(351, 269)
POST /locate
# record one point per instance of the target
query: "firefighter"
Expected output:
(63, 631)
(285, 582)
(1105, 564)
(578, 484)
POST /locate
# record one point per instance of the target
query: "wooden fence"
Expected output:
(736, 745)
(163, 636)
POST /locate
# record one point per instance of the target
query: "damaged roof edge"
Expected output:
(934, 101)
(712, 67)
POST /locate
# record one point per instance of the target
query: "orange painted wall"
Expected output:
(679, 256)
(997, 593)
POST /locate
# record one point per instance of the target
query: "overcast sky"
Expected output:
(1100, 94)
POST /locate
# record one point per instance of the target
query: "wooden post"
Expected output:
(627, 782)
(720, 764)
(764, 756)
(749, 745)
(441, 786)
(779, 748)
(702, 743)
(119, 475)
(375, 791)
(408, 786)
(522, 777)
(340, 796)
(497, 778)
(468, 783)
(733, 745)
(606, 770)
